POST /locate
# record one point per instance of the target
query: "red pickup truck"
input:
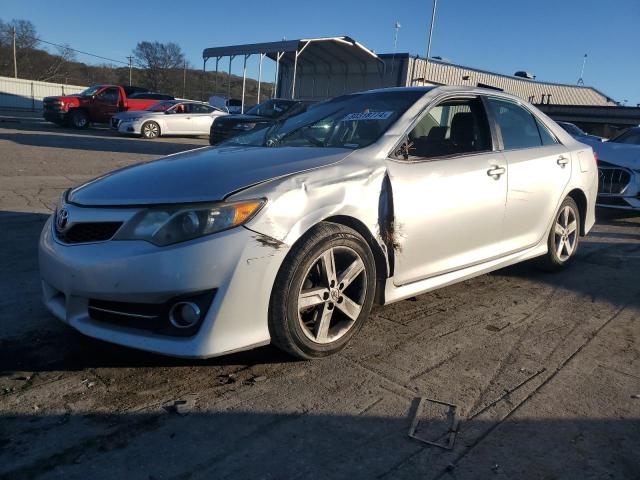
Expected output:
(97, 104)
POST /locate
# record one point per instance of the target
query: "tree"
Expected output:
(158, 62)
(26, 36)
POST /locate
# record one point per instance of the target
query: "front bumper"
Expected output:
(128, 127)
(234, 264)
(54, 116)
(623, 195)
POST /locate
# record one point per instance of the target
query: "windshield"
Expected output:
(351, 121)
(90, 91)
(271, 108)
(630, 136)
(572, 129)
(160, 106)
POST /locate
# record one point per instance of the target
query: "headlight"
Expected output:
(244, 126)
(133, 119)
(165, 226)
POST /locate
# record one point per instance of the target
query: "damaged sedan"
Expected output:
(288, 235)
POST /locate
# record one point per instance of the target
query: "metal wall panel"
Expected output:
(28, 94)
(441, 73)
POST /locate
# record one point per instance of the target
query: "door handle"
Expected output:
(562, 160)
(496, 171)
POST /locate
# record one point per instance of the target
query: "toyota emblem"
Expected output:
(62, 219)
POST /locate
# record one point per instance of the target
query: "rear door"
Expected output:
(449, 192)
(202, 116)
(178, 119)
(539, 171)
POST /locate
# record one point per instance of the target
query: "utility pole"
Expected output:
(584, 62)
(184, 79)
(433, 21)
(395, 45)
(130, 67)
(15, 61)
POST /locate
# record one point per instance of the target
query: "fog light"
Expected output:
(184, 314)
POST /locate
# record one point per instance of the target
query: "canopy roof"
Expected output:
(316, 50)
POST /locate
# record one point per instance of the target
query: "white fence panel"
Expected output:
(28, 94)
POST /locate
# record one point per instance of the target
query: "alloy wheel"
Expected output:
(332, 294)
(150, 130)
(566, 233)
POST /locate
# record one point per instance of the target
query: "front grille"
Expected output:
(88, 232)
(54, 105)
(613, 180)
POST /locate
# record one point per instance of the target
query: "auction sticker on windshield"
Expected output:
(367, 116)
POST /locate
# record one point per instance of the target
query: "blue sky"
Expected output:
(546, 37)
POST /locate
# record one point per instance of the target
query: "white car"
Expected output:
(289, 234)
(169, 117)
(619, 170)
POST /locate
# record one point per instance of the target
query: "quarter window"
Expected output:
(547, 137)
(518, 126)
(453, 127)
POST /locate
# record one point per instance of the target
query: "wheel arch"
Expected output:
(382, 270)
(580, 198)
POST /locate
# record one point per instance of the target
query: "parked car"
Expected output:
(577, 133)
(619, 170)
(231, 105)
(290, 233)
(95, 105)
(257, 117)
(168, 117)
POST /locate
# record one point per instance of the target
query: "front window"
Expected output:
(271, 108)
(160, 107)
(631, 137)
(350, 121)
(453, 127)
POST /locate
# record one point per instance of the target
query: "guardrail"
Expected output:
(17, 93)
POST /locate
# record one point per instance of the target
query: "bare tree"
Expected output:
(26, 36)
(158, 62)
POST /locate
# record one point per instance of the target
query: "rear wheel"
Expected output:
(323, 293)
(79, 119)
(564, 237)
(150, 130)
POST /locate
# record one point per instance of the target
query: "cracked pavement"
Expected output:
(545, 369)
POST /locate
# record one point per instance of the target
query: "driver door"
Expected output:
(449, 192)
(105, 104)
(178, 120)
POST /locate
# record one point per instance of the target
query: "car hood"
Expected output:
(206, 174)
(620, 154)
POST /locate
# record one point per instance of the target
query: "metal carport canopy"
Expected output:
(343, 50)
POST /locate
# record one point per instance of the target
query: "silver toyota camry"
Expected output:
(291, 233)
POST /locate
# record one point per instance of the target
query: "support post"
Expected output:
(204, 77)
(244, 81)
(215, 79)
(293, 82)
(260, 75)
(231, 57)
(275, 83)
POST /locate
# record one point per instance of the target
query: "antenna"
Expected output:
(584, 62)
(397, 27)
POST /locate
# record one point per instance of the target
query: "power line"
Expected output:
(78, 51)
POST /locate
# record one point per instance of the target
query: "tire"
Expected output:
(150, 130)
(334, 314)
(79, 119)
(566, 231)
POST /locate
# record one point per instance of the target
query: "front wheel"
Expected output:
(79, 119)
(150, 130)
(323, 293)
(564, 237)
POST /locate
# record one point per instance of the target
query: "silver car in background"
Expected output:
(290, 234)
(169, 117)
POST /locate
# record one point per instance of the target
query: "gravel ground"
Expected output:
(544, 369)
